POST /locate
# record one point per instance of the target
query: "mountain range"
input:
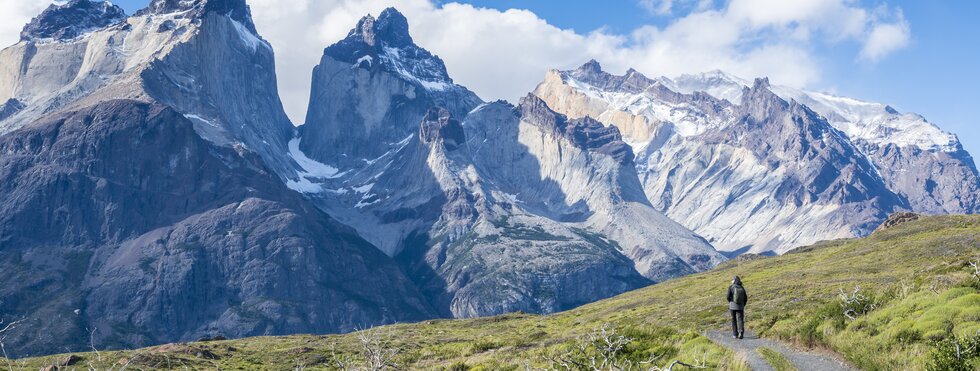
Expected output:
(155, 191)
(759, 168)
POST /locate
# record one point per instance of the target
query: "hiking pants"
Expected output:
(738, 322)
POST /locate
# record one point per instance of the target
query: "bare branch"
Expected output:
(856, 303)
(379, 352)
(7, 329)
(343, 362)
(91, 343)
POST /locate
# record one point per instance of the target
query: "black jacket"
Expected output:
(732, 304)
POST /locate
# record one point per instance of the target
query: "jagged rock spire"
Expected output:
(386, 42)
(591, 67)
(391, 28)
(236, 9)
(72, 19)
(759, 101)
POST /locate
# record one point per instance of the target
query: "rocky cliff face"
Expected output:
(489, 210)
(120, 217)
(370, 91)
(578, 172)
(921, 163)
(145, 162)
(760, 174)
(190, 55)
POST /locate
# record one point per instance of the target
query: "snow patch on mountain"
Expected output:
(682, 115)
(312, 170)
(248, 38)
(874, 123)
(366, 58)
(393, 58)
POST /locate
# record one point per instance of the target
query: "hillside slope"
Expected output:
(917, 273)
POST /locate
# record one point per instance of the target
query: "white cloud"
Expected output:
(14, 14)
(885, 39)
(504, 54)
(659, 7)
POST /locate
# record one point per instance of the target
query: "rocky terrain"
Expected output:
(119, 219)
(490, 208)
(753, 168)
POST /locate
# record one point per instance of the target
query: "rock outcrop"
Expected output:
(190, 55)
(119, 218)
(72, 19)
(371, 90)
(898, 218)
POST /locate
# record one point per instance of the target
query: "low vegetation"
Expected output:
(904, 298)
(776, 360)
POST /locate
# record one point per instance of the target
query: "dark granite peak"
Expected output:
(591, 73)
(392, 27)
(9, 108)
(236, 9)
(72, 19)
(386, 42)
(590, 67)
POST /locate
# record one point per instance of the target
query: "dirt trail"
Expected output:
(804, 361)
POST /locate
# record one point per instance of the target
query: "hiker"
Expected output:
(736, 304)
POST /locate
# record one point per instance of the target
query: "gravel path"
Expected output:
(804, 361)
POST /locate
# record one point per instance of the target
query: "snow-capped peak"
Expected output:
(237, 10)
(874, 123)
(386, 43)
(72, 19)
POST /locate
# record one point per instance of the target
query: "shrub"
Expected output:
(907, 336)
(607, 348)
(955, 353)
(484, 345)
(857, 303)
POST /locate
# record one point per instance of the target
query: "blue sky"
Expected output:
(934, 74)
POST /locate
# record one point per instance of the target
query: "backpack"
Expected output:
(739, 295)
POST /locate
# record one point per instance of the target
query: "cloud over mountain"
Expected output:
(499, 53)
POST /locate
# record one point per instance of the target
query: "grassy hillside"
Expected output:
(904, 289)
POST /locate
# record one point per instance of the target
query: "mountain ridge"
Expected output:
(666, 124)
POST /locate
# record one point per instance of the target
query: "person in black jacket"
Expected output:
(737, 297)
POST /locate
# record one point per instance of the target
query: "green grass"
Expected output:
(775, 359)
(914, 274)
